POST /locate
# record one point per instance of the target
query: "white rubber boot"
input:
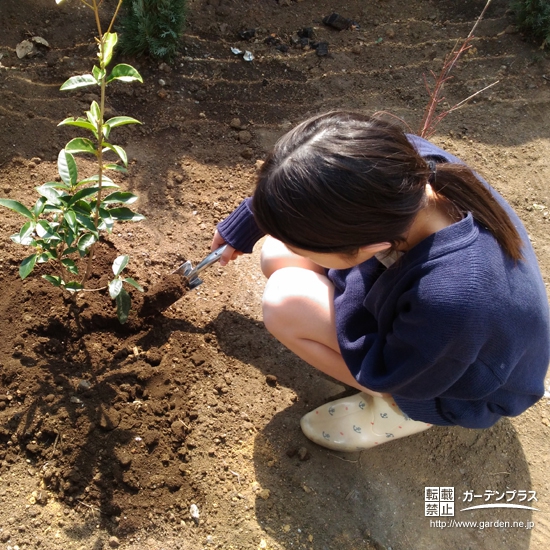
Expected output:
(358, 422)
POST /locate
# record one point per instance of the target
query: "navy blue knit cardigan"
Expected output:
(456, 330)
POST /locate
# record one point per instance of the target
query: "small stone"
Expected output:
(5, 536)
(151, 438)
(165, 68)
(236, 124)
(109, 419)
(259, 164)
(162, 82)
(162, 94)
(264, 494)
(356, 49)
(33, 448)
(114, 542)
(179, 178)
(125, 460)
(303, 454)
(84, 385)
(153, 357)
(245, 136)
(390, 33)
(291, 452)
(178, 428)
(271, 380)
(194, 512)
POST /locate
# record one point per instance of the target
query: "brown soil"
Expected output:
(109, 433)
(164, 294)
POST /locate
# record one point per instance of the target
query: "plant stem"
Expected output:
(99, 152)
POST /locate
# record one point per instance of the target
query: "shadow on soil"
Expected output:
(377, 497)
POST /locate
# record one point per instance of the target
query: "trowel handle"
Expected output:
(209, 260)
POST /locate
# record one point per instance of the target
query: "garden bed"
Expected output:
(109, 433)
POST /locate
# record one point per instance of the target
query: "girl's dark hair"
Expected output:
(343, 180)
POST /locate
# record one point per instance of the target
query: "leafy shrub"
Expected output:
(66, 222)
(152, 27)
(533, 18)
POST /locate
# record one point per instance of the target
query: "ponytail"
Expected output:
(458, 184)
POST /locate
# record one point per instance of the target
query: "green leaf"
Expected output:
(25, 234)
(133, 282)
(54, 279)
(106, 181)
(45, 231)
(123, 214)
(115, 286)
(85, 221)
(83, 193)
(124, 72)
(57, 185)
(107, 223)
(70, 265)
(118, 150)
(45, 257)
(99, 74)
(52, 208)
(82, 207)
(70, 218)
(73, 286)
(116, 167)
(95, 110)
(123, 303)
(120, 263)
(80, 145)
(121, 121)
(17, 207)
(51, 194)
(85, 242)
(120, 196)
(81, 123)
(109, 42)
(78, 82)
(117, 121)
(27, 265)
(66, 166)
(39, 206)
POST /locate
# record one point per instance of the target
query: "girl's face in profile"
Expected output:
(337, 260)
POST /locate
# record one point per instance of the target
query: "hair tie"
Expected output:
(433, 167)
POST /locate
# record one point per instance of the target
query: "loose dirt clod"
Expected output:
(163, 295)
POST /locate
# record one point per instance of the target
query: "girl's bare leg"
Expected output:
(298, 310)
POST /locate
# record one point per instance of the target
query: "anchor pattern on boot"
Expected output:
(331, 411)
(357, 429)
(384, 415)
(326, 435)
(362, 405)
(389, 435)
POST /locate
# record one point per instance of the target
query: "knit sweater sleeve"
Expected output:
(240, 229)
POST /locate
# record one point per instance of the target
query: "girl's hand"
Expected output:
(229, 254)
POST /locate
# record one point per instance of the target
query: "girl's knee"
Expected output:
(290, 294)
(275, 256)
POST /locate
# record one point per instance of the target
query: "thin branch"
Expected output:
(430, 120)
(461, 103)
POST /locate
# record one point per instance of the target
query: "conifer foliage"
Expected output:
(152, 27)
(533, 18)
